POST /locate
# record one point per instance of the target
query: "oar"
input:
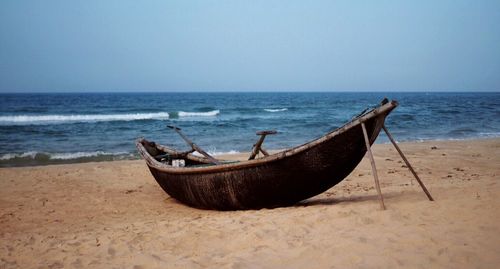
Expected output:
(193, 145)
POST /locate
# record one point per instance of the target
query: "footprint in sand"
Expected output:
(111, 251)
(366, 220)
(77, 264)
(56, 265)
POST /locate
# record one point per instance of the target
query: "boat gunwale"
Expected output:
(151, 162)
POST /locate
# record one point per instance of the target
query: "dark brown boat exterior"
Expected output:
(281, 179)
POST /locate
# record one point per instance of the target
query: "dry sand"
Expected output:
(114, 215)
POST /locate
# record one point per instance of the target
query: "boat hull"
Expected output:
(281, 181)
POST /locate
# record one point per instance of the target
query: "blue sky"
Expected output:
(249, 46)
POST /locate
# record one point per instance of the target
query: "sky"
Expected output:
(123, 45)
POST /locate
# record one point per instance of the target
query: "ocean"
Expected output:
(53, 128)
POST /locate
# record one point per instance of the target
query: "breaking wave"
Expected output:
(44, 158)
(60, 119)
(275, 109)
(48, 119)
(218, 153)
(199, 114)
(8, 156)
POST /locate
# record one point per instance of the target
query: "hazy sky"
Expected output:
(249, 45)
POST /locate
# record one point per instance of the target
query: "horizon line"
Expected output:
(253, 91)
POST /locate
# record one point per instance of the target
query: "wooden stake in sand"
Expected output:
(374, 169)
(407, 163)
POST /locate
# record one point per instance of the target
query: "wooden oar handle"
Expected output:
(193, 145)
(266, 132)
(258, 146)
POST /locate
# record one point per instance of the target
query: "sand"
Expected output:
(114, 215)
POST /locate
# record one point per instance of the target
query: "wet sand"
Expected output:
(114, 215)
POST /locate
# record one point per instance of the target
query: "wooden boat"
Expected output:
(280, 179)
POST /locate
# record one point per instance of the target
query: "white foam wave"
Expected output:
(218, 153)
(275, 109)
(490, 134)
(9, 156)
(199, 114)
(76, 155)
(41, 119)
(231, 152)
(60, 156)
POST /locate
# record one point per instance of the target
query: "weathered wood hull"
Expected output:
(278, 180)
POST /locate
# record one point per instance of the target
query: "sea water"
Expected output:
(51, 128)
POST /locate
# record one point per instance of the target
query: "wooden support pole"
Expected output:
(408, 164)
(374, 169)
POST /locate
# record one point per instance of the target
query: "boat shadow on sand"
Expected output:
(319, 201)
(346, 199)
